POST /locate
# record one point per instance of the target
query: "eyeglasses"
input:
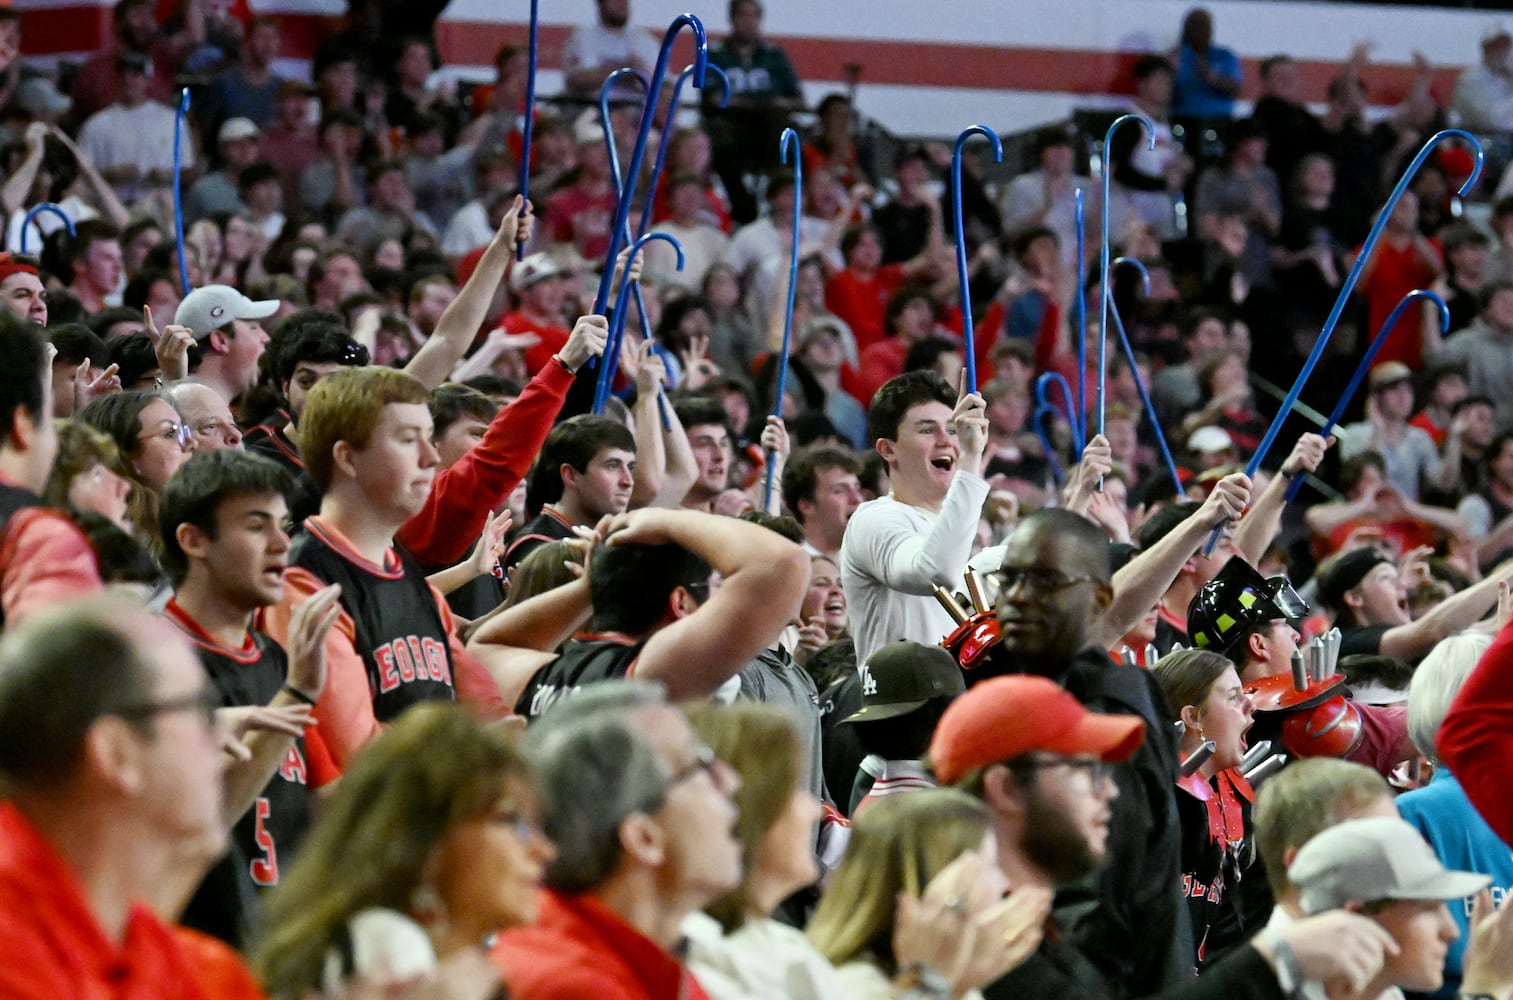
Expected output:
(525, 828)
(180, 434)
(1098, 771)
(704, 760)
(205, 701)
(1036, 581)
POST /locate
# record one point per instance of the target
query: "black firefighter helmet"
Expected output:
(1235, 601)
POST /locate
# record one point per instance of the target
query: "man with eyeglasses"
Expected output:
(1046, 769)
(114, 789)
(222, 519)
(207, 416)
(643, 815)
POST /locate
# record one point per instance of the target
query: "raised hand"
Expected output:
(171, 346)
(308, 627)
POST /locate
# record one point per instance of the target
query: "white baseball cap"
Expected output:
(208, 309)
(1367, 860)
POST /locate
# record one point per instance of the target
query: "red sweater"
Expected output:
(55, 948)
(862, 302)
(1476, 740)
(580, 949)
(463, 496)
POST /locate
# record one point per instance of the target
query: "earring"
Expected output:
(428, 908)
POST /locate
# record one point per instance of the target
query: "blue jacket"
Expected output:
(1464, 842)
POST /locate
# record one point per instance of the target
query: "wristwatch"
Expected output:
(1284, 961)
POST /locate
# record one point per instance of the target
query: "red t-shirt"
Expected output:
(1398, 271)
(581, 948)
(55, 948)
(582, 219)
(861, 302)
(553, 338)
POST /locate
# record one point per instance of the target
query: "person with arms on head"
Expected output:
(431, 842)
(897, 547)
(44, 558)
(642, 815)
(675, 596)
(1042, 765)
(366, 442)
(222, 523)
(114, 787)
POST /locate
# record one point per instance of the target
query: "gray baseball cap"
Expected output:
(1381, 858)
(207, 309)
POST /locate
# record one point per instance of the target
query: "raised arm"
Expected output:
(1142, 581)
(763, 576)
(1411, 642)
(1259, 526)
(460, 322)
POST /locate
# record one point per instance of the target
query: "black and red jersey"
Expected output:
(399, 631)
(585, 659)
(263, 841)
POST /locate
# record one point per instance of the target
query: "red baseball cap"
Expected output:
(1005, 717)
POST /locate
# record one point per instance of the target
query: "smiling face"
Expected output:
(825, 599)
(923, 459)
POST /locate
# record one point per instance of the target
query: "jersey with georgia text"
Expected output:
(399, 631)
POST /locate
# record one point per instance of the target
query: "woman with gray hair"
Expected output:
(1440, 810)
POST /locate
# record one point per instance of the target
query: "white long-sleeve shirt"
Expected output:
(892, 553)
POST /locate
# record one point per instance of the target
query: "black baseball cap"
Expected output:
(1345, 572)
(902, 677)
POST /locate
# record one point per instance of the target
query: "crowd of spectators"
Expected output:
(350, 650)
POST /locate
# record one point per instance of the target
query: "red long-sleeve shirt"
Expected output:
(463, 496)
(1476, 738)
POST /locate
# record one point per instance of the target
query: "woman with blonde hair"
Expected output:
(430, 843)
(920, 880)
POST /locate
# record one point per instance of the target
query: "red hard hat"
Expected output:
(1331, 729)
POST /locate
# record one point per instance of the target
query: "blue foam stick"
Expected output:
(178, 184)
(968, 335)
(46, 206)
(1105, 281)
(1361, 369)
(1367, 249)
(1145, 397)
(612, 363)
(1079, 324)
(638, 153)
(1038, 422)
(788, 147)
(530, 116)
